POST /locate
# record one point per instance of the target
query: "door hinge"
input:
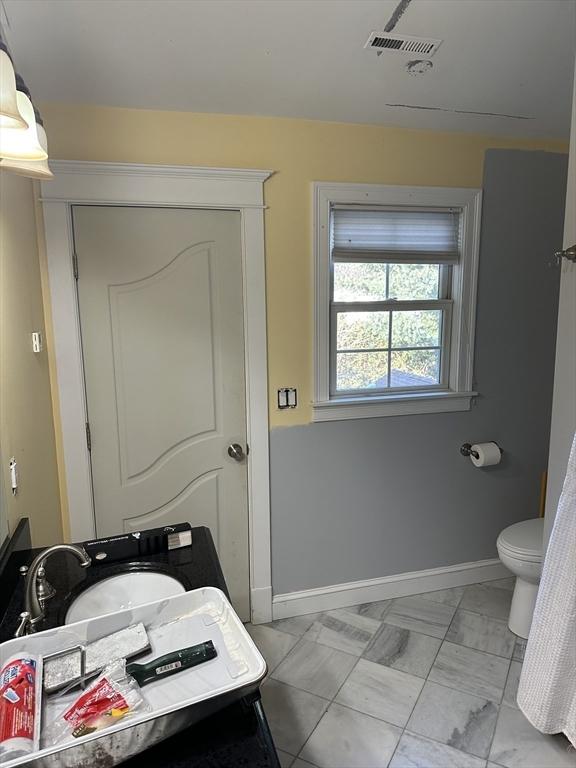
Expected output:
(75, 265)
(88, 437)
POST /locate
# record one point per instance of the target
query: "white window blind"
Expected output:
(398, 235)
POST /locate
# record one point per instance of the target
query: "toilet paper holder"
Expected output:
(466, 450)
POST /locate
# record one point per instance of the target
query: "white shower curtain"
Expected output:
(547, 690)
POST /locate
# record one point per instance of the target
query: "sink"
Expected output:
(126, 590)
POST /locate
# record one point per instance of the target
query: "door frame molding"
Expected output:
(126, 184)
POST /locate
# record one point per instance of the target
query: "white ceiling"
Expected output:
(305, 58)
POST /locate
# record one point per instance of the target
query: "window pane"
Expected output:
(362, 370)
(414, 281)
(359, 282)
(417, 328)
(367, 282)
(415, 368)
(362, 330)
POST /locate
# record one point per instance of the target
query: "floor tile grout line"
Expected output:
(478, 650)
(418, 631)
(404, 728)
(330, 701)
(313, 731)
(333, 701)
(444, 590)
(498, 655)
(443, 743)
(498, 706)
(498, 702)
(269, 674)
(358, 712)
(506, 683)
(301, 690)
(486, 615)
(381, 621)
(468, 646)
(500, 711)
(483, 613)
(299, 752)
(396, 747)
(454, 688)
(459, 690)
(341, 650)
(427, 680)
(366, 714)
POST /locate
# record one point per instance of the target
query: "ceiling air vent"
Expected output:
(382, 41)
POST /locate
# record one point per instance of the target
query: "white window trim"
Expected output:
(458, 395)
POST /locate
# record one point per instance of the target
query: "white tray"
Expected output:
(176, 702)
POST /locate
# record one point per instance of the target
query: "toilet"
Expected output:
(520, 550)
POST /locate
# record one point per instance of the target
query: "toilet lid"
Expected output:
(523, 540)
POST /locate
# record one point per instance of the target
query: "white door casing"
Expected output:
(563, 424)
(172, 186)
(160, 300)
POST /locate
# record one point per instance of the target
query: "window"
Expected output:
(395, 299)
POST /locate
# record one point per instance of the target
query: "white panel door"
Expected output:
(563, 423)
(160, 297)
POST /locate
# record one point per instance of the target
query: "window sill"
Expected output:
(391, 405)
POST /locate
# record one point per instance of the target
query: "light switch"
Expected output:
(287, 398)
(37, 341)
(13, 476)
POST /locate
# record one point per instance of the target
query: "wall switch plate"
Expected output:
(37, 341)
(13, 476)
(287, 398)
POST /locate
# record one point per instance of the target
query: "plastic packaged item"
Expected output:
(113, 696)
(20, 701)
(62, 669)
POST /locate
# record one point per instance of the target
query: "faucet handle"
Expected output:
(44, 589)
(24, 626)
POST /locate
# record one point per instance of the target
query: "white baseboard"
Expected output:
(261, 605)
(398, 585)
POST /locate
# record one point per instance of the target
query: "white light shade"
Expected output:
(10, 116)
(20, 144)
(35, 169)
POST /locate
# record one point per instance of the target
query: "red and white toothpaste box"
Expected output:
(20, 702)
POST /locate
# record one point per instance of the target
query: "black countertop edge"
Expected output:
(14, 553)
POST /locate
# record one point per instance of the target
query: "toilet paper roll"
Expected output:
(488, 454)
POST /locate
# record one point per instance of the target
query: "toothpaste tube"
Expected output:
(20, 687)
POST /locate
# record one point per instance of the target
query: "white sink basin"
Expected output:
(126, 590)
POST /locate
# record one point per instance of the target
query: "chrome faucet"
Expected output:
(37, 589)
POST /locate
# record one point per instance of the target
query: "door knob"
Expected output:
(235, 451)
(567, 253)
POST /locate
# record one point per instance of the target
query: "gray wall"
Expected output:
(368, 498)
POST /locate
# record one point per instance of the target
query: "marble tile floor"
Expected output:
(427, 681)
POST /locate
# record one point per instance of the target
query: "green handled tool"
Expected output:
(171, 663)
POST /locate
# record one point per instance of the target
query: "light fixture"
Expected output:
(35, 169)
(10, 116)
(19, 143)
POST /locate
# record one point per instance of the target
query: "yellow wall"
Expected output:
(299, 151)
(26, 426)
